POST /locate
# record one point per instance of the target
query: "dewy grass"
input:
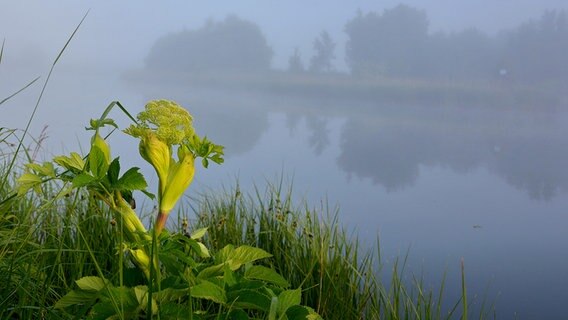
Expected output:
(42, 254)
(340, 280)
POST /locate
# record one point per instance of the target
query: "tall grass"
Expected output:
(45, 248)
(340, 280)
(42, 251)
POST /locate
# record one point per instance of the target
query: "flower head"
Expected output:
(162, 126)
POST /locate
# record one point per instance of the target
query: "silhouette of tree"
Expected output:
(324, 48)
(389, 43)
(230, 45)
(468, 54)
(536, 51)
(295, 64)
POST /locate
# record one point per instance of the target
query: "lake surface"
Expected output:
(440, 182)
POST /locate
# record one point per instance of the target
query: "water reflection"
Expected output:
(529, 153)
(387, 142)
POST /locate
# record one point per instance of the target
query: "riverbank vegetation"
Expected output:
(47, 243)
(72, 245)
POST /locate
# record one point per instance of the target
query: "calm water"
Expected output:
(441, 182)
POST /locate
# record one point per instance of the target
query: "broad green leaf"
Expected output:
(246, 254)
(113, 171)
(229, 276)
(29, 178)
(223, 255)
(175, 259)
(170, 294)
(28, 181)
(209, 291)
(176, 311)
(203, 251)
(73, 163)
(98, 164)
(211, 271)
(141, 293)
(302, 313)
(237, 314)
(132, 180)
(124, 296)
(199, 233)
(94, 284)
(82, 180)
(148, 194)
(249, 299)
(288, 299)
(248, 284)
(266, 274)
(46, 169)
(121, 296)
(76, 297)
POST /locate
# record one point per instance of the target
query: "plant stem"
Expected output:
(161, 222)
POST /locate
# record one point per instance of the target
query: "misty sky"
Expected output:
(118, 34)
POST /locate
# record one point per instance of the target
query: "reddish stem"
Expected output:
(161, 222)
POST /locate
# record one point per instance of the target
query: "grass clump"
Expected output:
(340, 280)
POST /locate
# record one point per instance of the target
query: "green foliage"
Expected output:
(339, 279)
(228, 290)
(159, 274)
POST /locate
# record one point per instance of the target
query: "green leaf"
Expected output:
(209, 291)
(288, 299)
(201, 249)
(46, 169)
(229, 276)
(223, 255)
(170, 294)
(132, 180)
(245, 254)
(211, 271)
(249, 299)
(73, 163)
(28, 181)
(113, 171)
(141, 293)
(82, 180)
(93, 284)
(199, 233)
(175, 259)
(75, 297)
(148, 194)
(266, 274)
(98, 165)
(302, 313)
(176, 311)
(237, 314)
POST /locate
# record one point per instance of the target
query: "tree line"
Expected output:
(394, 43)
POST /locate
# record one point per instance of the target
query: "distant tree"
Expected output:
(324, 48)
(390, 43)
(462, 55)
(230, 45)
(295, 64)
(536, 51)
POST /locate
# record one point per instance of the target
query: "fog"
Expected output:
(119, 34)
(419, 120)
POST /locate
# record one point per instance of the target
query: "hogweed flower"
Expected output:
(163, 126)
